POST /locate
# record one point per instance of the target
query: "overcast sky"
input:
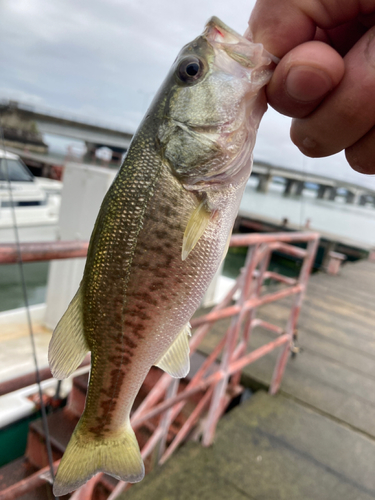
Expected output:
(104, 59)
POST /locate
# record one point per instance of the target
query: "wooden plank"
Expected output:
(329, 334)
(339, 304)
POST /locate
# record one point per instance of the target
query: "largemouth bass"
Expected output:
(161, 234)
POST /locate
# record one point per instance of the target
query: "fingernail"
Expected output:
(306, 84)
(309, 143)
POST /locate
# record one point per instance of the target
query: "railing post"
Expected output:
(166, 419)
(258, 288)
(230, 345)
(294, 314)
(249, 317)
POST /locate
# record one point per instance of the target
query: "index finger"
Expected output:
(284, 24)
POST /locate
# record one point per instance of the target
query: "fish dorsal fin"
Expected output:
(176, 361)
(68, 345)
(195, 228)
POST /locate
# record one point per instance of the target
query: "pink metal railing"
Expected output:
(33, 252)
(218, 382)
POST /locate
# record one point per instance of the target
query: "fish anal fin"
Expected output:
(116, 453)
(195, 228)
(176, 361)
(68, 345)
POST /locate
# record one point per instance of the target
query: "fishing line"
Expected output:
(302, 198)
(28, 315)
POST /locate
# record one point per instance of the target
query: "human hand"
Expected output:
(325, 79)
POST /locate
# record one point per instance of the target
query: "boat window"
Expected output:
(18, 172)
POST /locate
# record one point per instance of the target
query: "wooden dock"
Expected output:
(316, 438)
(335, 372)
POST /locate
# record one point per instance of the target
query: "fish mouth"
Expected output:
(217, 31)
(239, 48)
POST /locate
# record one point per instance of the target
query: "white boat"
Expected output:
(84, 190)
(36, 201)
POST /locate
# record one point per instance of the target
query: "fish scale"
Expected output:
(134, 182)
(160, 236)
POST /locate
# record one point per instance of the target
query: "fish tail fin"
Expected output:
(117, 454)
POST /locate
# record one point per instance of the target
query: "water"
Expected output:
(11, 296)
(281, 264)
(350, 224)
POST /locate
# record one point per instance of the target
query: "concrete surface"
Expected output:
(269, 448)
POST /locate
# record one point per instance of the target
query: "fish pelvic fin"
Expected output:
(117, 454)
(68, 345)
(176, 360)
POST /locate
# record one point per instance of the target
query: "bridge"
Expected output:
(96, 135)
(50, 122)
(294, 183)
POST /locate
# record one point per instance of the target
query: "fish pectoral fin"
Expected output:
(176, 361)
(195, 228)
(115, 453)
(68, 345)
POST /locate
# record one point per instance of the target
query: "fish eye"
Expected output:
(190, 69)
